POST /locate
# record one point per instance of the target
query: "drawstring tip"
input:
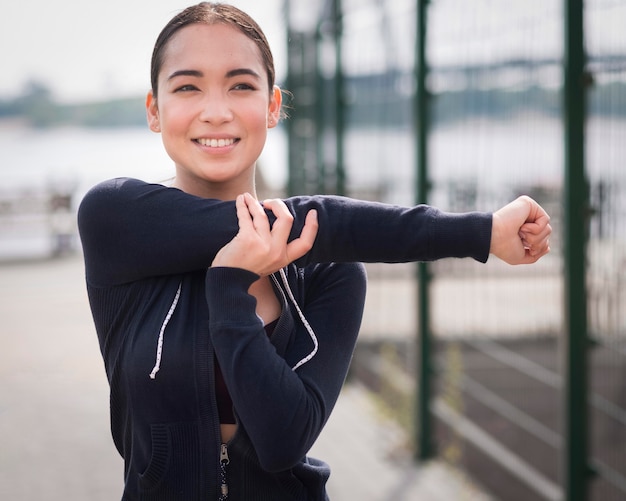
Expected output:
(159, 351)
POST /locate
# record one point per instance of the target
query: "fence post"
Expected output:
(340, 108)
(423, 426)
(575, 449)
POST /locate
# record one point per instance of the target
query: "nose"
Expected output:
(215, 109)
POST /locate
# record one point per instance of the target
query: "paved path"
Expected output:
(370, 462)
(54, 424)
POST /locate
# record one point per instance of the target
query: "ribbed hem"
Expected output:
(227, 292)
(462, 235)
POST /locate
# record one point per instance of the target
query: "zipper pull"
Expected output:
(224, 455)
(224, 460)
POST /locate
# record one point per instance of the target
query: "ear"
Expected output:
(152, 113)
(275, 107)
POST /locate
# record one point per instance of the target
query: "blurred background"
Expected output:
(514, 377)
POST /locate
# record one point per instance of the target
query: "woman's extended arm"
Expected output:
(132, 230)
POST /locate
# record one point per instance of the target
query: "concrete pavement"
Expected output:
(54, 423)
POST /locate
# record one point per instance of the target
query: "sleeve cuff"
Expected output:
(227, 292)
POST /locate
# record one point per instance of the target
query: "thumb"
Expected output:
(303, 244)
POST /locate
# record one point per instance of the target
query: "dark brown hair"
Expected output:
(212, 13)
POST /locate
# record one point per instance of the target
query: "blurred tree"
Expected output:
(37, 105)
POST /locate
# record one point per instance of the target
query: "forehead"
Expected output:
(210, 47)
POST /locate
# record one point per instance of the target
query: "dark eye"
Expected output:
(243, 86)
(186, 88)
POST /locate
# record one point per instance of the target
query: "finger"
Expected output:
(534, 234)
(281, 228)
(535, 245)
(255, 210)
(537, 226)
(534, 255)
(535, 212)
(303, 244)
(243, 214)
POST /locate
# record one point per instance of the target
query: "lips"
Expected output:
(216, 143)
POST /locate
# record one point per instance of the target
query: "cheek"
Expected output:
(174, 111)
(257, 113)
(256, 119)
(259, 128)
(173, 118)
(174, 128)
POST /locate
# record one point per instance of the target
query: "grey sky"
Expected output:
(86, 50)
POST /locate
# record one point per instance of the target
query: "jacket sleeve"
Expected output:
(371, 232)
(131, 230)
(283, 411)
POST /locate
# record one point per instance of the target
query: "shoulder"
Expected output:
(122, 196)
(109, 191)
(117, 187)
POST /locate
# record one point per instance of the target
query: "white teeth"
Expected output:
(215, 143)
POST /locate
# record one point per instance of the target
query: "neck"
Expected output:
(217, 191)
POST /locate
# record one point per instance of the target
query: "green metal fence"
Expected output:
(495, 133)
(513, 374)
(606, 268)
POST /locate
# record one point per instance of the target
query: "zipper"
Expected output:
(224, 460)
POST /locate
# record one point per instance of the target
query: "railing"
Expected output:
(37, 222)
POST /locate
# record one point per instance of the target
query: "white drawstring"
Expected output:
(283, 276)
(159, 352)
(309, 329)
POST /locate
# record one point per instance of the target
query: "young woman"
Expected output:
(227, 325)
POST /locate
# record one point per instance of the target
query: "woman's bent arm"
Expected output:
(282, 410)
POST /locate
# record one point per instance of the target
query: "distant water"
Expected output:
(34, 158)
(498, 152)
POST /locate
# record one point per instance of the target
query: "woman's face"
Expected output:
(213, 109)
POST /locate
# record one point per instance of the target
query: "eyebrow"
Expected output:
(185, 73)
(242, 71)
(230, 74)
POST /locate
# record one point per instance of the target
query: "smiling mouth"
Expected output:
(216, 143)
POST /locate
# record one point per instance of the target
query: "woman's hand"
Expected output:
(259, 248)
(521, 232)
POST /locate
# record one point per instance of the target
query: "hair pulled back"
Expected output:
(211, 13)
